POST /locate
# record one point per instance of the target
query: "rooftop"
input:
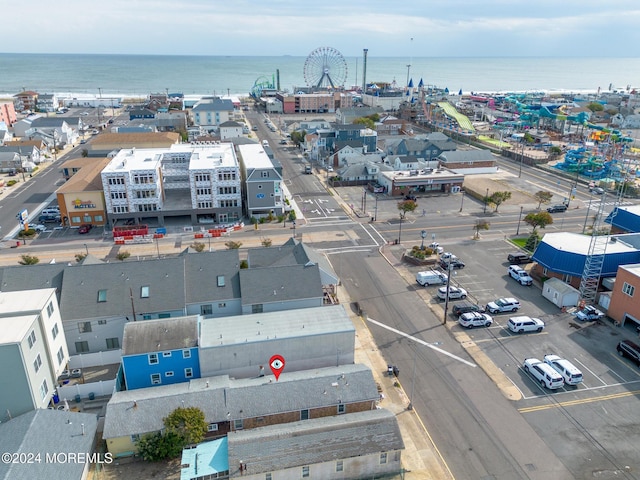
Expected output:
(259, 327)
(24, 301)
(579, 244)
(254, 156)
(160, 335)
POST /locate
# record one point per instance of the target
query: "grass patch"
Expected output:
(519, 242)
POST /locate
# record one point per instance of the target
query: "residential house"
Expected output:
(263, 195)
(141, 114)
(30, 154)
(347, 115)
(160, 352)
(390, 125)
(25, 101)
(427, 147)
(209, 113)
(8, 113)
(33, 350)
(239, 404)
(62, 441)
(242, 346)
(10, 162)
(47, 102)
(360, 445)
(624, 307)
(81, 198)
(230, 129)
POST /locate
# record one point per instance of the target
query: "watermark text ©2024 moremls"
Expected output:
(26, 458)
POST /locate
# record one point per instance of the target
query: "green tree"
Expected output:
(188, 423)
(156, 447)
(80, 256)
(480, 225)
(366, 121)
(266, 242)
(231, 245)
(298, 136)
(498, 198)
(543, 196)
(406, 206)
(538, 219)
(595, 106)
(28, 260)
(244, 264)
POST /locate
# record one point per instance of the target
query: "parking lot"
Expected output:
(590, 346)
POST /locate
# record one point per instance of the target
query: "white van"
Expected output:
(569, 372)
(543, 373)
(431, 277)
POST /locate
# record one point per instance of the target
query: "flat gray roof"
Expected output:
(160, 335)
(260, 327)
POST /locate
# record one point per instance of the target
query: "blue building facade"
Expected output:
(160, 368)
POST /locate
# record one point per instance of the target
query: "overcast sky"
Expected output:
(441, 28)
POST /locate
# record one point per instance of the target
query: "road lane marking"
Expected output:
(571, 403)
(421, 342)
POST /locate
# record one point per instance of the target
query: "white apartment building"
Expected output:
(33, 350)
(198, 182)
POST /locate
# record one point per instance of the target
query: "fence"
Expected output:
(85, 390)
(95, 359)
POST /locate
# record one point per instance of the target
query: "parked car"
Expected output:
(598, 190)
(435, 246)
(543, 373)
(629, 349)
(525, 324)
(49, 218)
(411, 197)
(520, 275)
(518, 258)
(453, 262)
(454, 292)
(465, 306)
(475, 319)
(589, 314)
(569, 372)
(431, 277)
(38, 227)
(85, 228)
(557, 208)
(508, 304)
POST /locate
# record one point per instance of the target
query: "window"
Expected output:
(206, 310)
(75, 220)
(257, 308)
(188, 372)
(166, 354)
(305, 472)
(545, 272)
(44, 389)
(383, 458)
(98, 218)
(49, 309)
(84, 327)
(54, 331)
(267, 476)
(144, 291)
(186, 353)
(135, 437)
(205, 204)
(113, 343)
(102, 322)
(341, 408)
(304, 414)
(566, 278)
(628, 289)
(37, 363)
(168, 374)
(82, 347)
(220, 280)
(153, 358)
(265, 174)
(212, 427)
(31, 339)
(396, 456)
(87, 219)
(238, 424)
(60, 356)
(222, 305)
(102, 296)
(155, 379)
(339, 466)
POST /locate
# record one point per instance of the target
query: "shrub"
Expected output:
(123, 255)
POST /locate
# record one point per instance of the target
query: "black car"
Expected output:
(411, 197)
(626, 348)
(557, 208)
(453, 262)
(518, 258)
(465, 307)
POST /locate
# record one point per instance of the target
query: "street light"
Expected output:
(462, 201)
(86, 248)
(375, 215)
(423, 235)
(400, 229)
(446, 297)
(521, 159)
(486, 200)
(519, 218)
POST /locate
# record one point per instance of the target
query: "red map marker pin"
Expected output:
(277, 365)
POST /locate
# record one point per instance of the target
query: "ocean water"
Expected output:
(139, 75)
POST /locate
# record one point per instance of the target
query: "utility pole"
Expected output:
(519, 218)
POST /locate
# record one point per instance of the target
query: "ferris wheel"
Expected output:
(325, 67)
